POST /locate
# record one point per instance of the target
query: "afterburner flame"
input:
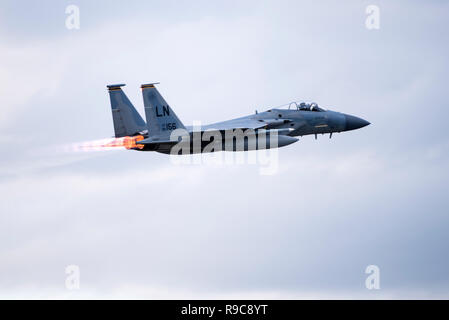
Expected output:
(109, 144)
(127, 142)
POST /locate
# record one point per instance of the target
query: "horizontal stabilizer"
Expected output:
(151, 141)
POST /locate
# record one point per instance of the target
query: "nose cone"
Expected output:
(353, 123)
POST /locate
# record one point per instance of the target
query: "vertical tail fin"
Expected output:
(161, 119)
(127, 121)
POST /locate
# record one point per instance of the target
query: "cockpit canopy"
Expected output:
(309, 107)
(303, 106)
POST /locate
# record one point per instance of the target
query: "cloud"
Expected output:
(28, 71)
(140, 226)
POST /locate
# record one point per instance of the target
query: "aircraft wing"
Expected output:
(246, 123)
(236, 124)
(243, 123)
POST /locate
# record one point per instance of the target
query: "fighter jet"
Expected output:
(163, 131)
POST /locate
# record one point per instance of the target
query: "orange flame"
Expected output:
(108, 144)
(127, 142)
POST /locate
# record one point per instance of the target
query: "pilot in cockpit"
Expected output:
(309, 107)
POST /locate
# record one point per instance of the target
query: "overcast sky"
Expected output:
(140, 226)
